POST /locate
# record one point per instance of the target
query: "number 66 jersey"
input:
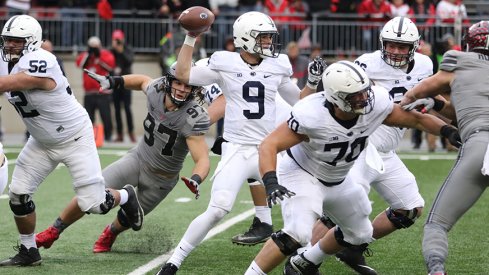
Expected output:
(51, 117)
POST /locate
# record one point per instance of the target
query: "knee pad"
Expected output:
(400, 219)
(21, 205)
(327, 221)
(285, 243)
(222, 199)
(122, 218)
(105, 206)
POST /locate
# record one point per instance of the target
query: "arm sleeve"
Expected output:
(289, 91)
(202, 76)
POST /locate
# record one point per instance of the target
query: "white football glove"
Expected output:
(104, 81)
(423, 104)
(315, 71)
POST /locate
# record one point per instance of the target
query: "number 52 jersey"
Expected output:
(51, 117)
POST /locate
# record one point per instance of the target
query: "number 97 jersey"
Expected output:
(52, 116)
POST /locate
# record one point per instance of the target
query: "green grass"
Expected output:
(399, 253)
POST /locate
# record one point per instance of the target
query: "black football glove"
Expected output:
(274, 190)
(107, 82)
(451, 133)
(315, 71)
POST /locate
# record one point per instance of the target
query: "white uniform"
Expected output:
(395, 183)
(250, 115)
(317, 170)
(61, 132)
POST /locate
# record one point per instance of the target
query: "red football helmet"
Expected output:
(477, 37)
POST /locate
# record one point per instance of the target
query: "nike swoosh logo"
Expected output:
(267, 76)
(361, 132)
(76, 139)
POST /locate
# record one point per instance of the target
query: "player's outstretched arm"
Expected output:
(131, 81)
(436, 84)
(24, 82)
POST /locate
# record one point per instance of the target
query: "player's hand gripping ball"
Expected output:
(196, 20)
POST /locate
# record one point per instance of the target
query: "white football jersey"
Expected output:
(250, 94)
(397, 82)
(333, 147)
(53, 116)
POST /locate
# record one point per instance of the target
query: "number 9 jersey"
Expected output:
(51, 117)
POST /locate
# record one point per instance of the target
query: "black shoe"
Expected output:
(353, 257)
(299, 265)
(25, 257)
(168, 269)
(259, 232)
(132, 208)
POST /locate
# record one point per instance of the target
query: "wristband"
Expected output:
(196, 178)
(438, 104)
(312, 85)
(446, 130)
(270, 178)
(118, 82)
(189, 41)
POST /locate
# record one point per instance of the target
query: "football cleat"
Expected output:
(259, 232)
(25, 257)
(353, 257)
(47, 237)
(168, 269)
(132, 208)
(105, 241)
(299, 265)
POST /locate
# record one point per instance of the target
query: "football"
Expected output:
(196, 19)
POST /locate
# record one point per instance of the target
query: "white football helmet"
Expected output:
(347, 86)
(247, 30)
(399, 30)
(20, 27)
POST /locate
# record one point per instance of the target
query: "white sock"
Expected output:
(28, 240)
(254, 269)
(264, 213)
(315, 254)
(181, 252)
(124, 196)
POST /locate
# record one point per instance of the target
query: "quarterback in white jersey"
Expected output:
(61, 132)
(250, 80)
(323, 137)
(259, 231)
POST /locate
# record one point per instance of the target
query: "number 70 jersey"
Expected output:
(333, 146)
(53, 116)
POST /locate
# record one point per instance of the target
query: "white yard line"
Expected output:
(160, 260)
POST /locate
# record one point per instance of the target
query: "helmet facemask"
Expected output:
(397, 60)
(12, 48)
(360, 103)
(175, 92)
(271, 49)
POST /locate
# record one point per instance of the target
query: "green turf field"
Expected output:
(399, 253)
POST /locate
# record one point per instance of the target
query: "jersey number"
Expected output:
(22, 106)
(258, 99)
(149, 126)
(37, 66)
(343, 149)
